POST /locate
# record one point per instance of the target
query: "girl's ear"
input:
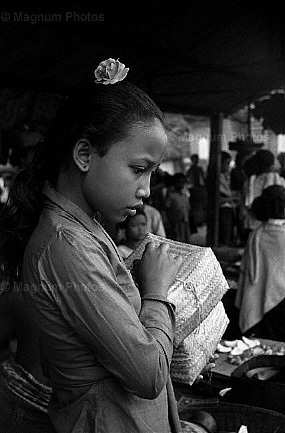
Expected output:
(82, 154)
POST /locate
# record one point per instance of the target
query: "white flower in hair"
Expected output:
(110, 72)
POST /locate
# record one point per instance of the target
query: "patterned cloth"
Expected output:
(23, 401)
(25, 386)
(189, 427)
(261, 283)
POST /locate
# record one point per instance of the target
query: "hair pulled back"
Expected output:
(261, 162)
(101, 114)
(271, 203)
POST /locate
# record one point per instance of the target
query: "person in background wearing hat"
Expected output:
(261, 291)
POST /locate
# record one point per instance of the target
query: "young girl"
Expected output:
(106, 344)
(135, 231)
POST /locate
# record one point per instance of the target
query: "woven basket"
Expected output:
(194, 352)
(230, 417)
(198, 287)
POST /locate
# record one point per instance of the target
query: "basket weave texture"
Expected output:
(199, 286)
(200, 316)
(194, 352)
(230, 417)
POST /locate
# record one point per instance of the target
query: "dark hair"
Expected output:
(271, 203)
(259, 163)
(177, 177)
(264, 159)
(225, 156)
(102, 114)
(194, 157)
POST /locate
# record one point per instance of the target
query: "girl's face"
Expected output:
(136, 228)
(117, 182)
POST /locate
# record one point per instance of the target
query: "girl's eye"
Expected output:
(138, 170)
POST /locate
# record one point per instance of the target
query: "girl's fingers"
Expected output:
(163, 247)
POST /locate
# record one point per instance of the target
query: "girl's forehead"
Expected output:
(147, 139)
(152, 127)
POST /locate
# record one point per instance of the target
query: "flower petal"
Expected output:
(110, 71)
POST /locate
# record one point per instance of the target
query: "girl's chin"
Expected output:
(120, 218)
(117, 217)
(124, 214)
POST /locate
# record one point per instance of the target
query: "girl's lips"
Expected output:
(131, 211)
(135, 207)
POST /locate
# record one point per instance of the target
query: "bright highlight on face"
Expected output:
(117, 182)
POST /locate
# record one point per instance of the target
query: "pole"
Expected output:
(213, 179)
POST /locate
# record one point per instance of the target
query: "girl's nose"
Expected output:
(143, 191)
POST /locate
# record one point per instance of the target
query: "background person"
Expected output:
(227, 203)
(154, 224)
(261, 291)
(154, 221)
(178, 207)
(135, 231)
(238, 180)
(196, 179)
(261, 174)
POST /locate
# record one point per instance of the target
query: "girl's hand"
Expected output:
(157, 269)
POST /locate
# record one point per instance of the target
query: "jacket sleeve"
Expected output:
(135, 348)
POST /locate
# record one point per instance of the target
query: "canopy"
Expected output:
(193, 56)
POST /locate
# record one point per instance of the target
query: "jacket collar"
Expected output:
(56, 201)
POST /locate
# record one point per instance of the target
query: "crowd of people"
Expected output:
(177, 204)
(94, 342)
(181, 199)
